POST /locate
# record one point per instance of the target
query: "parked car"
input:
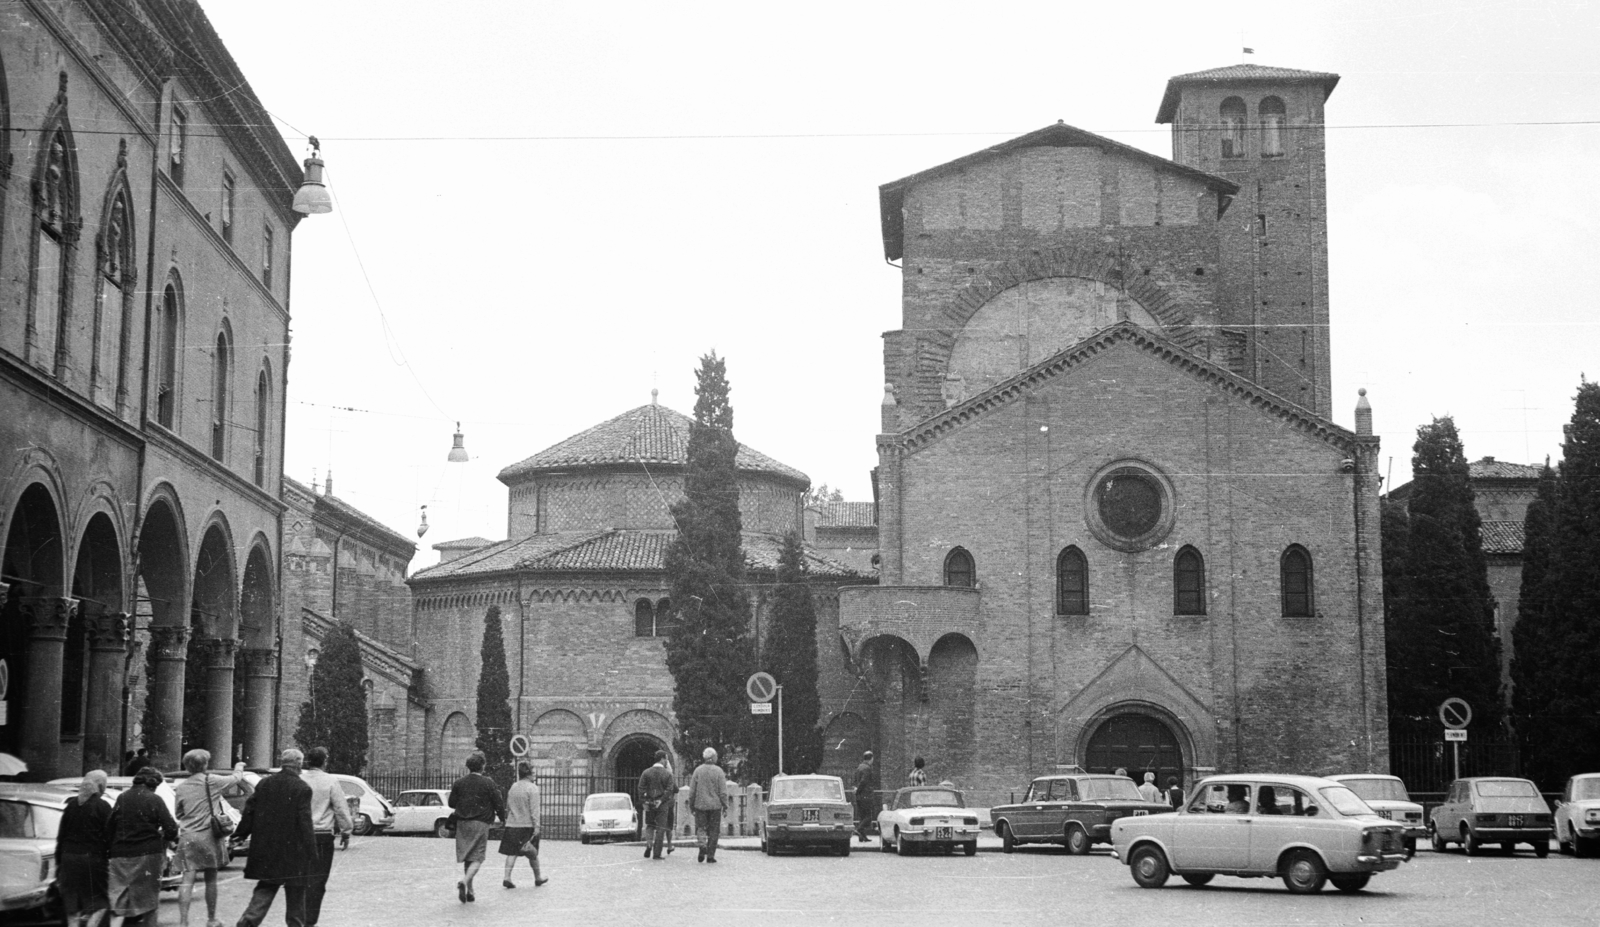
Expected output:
(807, 811)
(608, 816)
(30, 819)
(1492, 809)
(1304, 829)
(371, 811)
(1073, 810)
(422, 811)
(1387, 796)
(927, 816)
(1578, 815)
(172, 872)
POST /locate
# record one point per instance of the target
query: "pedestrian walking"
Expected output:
(917, 776)
(521, 834)
(283, 843)
(708, 799)
(1149, 791)
(1174, 793)
(139, 829)
(136, 762)
(330, 818)
(477, 803)
(201, 850)
(866, 785)
(672, 803)
(81, 852)
(658, 790)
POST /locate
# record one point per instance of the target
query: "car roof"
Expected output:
(428, 791)
(1493, 779)
(608, 795)
(1342, 777)
(928, 788)
(41, 793)
(1077, 776)
(1305, 782)
(806, 776)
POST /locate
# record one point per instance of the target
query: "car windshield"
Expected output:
(1505, 788)
(609, 803)
(931, 798)
(1378, 789)
(808, 789)
(20, 819)
(1585, 789)
(1344, 801)
(1113, 788)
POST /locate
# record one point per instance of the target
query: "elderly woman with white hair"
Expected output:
(202, 850)
(81, 852)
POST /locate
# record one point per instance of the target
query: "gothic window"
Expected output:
(1294, 570)
(666, 618)
(644, 619)
(55, 207)
(167, 365)
(1072, 583)
(179, 144)
(959, 569)
(1188, 583)
(263, 422)
(1272, 127)
(221, 365)
(1233, 119)
(266, 255)
(113, 300)
(227, 207)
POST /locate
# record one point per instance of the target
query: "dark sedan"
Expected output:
(1073, 810)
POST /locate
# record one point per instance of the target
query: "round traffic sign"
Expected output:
(519, 745)
(1455, 713)
(761, 687)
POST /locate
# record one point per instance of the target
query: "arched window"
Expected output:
(221, 365)
(1233, 119)
(113, 298)
(55, 230)
(959, 570)
(168, 344)
(644, 619)
(1188, 583)
(666, 618)
(1072, 583)
(1272, 125)
(1294, 570)
(263, 423)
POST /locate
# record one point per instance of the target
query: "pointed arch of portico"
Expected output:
(1134, 682)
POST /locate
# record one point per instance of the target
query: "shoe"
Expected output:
(461, 891)
(471, 896)
(647, 849)
(658, 856)
(670, 848)
(711, 859)
(701, 858)
(507, 883)
(539, 882)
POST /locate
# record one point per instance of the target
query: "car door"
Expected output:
(404, 812)
(1211, 837)
(1030, 815)
(1280, 818)
(1447, 817)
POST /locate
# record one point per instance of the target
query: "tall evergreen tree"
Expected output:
(494, 702)
(1442, 641)
(1563, 711)
(709, 651)
(790, 655)
(335, 716)
(1534, 644)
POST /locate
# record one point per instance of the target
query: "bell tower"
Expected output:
(1262, 128)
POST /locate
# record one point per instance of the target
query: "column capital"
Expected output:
(261, 662)
(48, 615)
(219, 651)
(109, 630)
(171, 642)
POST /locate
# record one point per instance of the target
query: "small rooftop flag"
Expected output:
(1249, 51)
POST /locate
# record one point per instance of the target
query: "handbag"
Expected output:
(530, 848)
(221, 825)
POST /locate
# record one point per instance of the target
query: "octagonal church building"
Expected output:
(1117, 524)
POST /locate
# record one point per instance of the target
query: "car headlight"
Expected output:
(778, 815)
(1592, 815)
(970, 822)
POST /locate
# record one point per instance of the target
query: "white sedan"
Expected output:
(422, 811)
(608, 816)
(928, 816)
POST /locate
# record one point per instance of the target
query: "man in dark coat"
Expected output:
(866, 786)
(657, 789)
(277, 819)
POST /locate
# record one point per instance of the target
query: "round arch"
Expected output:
(32, 564)
(257, 604)
(458, 738)
(630, 757)
(163, 546)
(1139, 737)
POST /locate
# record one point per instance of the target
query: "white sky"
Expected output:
(559, 206)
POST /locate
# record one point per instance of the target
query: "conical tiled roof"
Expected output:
(1241, 74)
(651, 434)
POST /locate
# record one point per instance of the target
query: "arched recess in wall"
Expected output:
(33, 568)
(952, 741)
(843, 741)
(457, 740)
(1139, 738)
(97, 585)
(559, 743)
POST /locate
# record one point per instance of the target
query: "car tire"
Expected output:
(583, 839)
(1078, 841)
(1008, 840)
(1198, 879)
(883, 844)
(1470, 844)
(843, 848)
(1411, 847)
(1582, 846)
(900, 845)
(1303, 872)
(1567, 846)
(443, 830)
(1351, 884)
(1439, 845)
(363, 825)
(1541, 848)
(1149, 867)
(971, 849)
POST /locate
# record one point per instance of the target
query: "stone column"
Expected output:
(260, 667)
(165, 742)
(108, 661)
(46, 618)
(5, 594)
(219, 699)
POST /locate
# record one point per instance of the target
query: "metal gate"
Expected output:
(560, 796)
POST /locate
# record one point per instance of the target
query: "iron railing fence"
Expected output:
(560, 796)
(1427, 763)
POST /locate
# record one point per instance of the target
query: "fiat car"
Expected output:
(1578, 815)
(608, 816)
(807, 811)
(928, 817)
(1387, 796)
(1075, 811)
(1492, 809)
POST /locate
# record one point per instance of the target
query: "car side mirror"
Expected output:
(1311, 812)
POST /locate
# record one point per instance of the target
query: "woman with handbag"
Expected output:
(138, 833)
(204, 827)
(521, 834)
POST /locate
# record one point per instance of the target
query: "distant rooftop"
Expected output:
(1240, 74)
(846, 515)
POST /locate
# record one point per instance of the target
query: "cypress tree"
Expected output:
(494, 702)
(1534, 645)
(709, 652)
(1443, 642)
(790, 655)
(335, 716)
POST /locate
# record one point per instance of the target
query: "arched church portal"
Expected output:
(630, 759)
(1138, 743)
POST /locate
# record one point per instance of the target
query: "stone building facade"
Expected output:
(145, 218)
(1117, 526)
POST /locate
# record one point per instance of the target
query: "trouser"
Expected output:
(294, 897)
(866, 816)
(707, 828)
(317, 879)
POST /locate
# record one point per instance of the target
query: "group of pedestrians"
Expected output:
(476, 803)
(110, 858)
(708, 802)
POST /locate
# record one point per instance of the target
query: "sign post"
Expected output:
(762, 689)
(1456, 714)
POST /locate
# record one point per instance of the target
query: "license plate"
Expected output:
(1140, 813)
(1516, 820)
(941, 833)
(808, 815)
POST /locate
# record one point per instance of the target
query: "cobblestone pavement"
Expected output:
(404, 881)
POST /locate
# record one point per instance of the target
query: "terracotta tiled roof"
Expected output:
(335, 507)
(1502, 537)
(650, 434)
(1238, 74)
(1490, 469)
(472, 543)
(847, 515)
(612, 551)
